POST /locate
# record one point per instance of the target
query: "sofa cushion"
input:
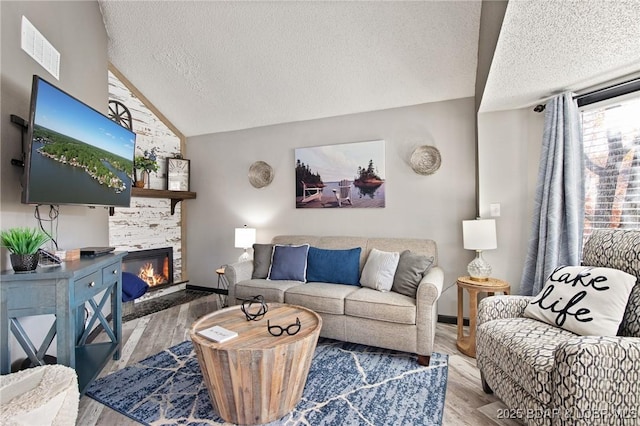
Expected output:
(334, 266)
(524, 349)
(379, 270)
(289, 263)
(586, 300)
(261, 260)
(372, 304)
(295, 240)
(320, 297)
(411, 269)
(415, 245)
(273, 291)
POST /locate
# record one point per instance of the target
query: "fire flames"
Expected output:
(148, 274)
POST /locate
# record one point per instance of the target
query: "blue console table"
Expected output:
(64, 291)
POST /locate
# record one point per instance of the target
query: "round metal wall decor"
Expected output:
(260, 174)
(425, 160)
(119, 113)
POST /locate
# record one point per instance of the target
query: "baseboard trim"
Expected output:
(450, 319)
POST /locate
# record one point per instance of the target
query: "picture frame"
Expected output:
(343, 176)
(178, 174)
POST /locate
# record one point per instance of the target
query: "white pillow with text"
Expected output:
(589, 301)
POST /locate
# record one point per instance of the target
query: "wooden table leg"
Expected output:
(467, 344)
(460, 319)
(473, 316)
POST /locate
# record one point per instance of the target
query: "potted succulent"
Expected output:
(23, 244)
(147, 163)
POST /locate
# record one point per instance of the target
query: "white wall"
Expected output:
(508, 156)
(76, 30)
(416, 206)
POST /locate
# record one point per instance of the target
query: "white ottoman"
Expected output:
(46, 395)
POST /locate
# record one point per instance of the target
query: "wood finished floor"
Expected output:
(466, 403)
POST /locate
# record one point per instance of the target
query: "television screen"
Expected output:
(76, 155)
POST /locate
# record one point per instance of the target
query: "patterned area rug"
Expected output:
(347, 384)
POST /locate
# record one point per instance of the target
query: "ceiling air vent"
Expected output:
(40, 49)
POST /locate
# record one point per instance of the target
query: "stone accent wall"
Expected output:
(148, 222)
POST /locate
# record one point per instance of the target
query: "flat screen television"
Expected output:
(75, 154)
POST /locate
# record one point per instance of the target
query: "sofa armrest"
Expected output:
(429, 291)
(502, 307)
(430, 286)
(596, 378)
(235, 273)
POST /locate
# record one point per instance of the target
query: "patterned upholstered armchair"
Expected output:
(549, 376)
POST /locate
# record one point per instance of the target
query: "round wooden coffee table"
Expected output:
(256, 377)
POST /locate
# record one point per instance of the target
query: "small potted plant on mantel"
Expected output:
(146, 163)
(23, 244)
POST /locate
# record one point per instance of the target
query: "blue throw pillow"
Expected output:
(289, 263)
(132, 286)
(334, 266)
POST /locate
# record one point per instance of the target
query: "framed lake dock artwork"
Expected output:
(341, 176)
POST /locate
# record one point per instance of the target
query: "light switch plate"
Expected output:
(494, 209)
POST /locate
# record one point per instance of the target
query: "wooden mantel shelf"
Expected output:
(174, 196)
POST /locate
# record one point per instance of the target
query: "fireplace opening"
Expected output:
(154, 266)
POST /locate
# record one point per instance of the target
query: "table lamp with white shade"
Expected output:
(245, 238)
(479, 235)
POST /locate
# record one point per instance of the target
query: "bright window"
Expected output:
(611, 136)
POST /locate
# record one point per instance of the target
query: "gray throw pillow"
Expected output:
(261, 260)
(411, 268)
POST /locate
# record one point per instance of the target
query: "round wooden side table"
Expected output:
(467, 344)
(222, 289)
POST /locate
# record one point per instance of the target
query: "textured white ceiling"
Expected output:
(549, 47)
(216, 66)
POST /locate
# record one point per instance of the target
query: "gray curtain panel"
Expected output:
(556, 233)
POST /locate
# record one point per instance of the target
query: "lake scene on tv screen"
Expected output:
(78, 156)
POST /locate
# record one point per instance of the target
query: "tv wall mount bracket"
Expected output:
(24, 126)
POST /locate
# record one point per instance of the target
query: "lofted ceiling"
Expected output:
(552, 46)
(215, 66)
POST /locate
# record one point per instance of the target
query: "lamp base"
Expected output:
(244, 257)
(479, 269)
(479, 279)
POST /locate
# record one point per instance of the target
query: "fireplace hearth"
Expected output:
(154, 266)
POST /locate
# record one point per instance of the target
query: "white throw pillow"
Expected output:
(379, 270)
(586, 300)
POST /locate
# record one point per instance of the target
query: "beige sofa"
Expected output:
(353, 313)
